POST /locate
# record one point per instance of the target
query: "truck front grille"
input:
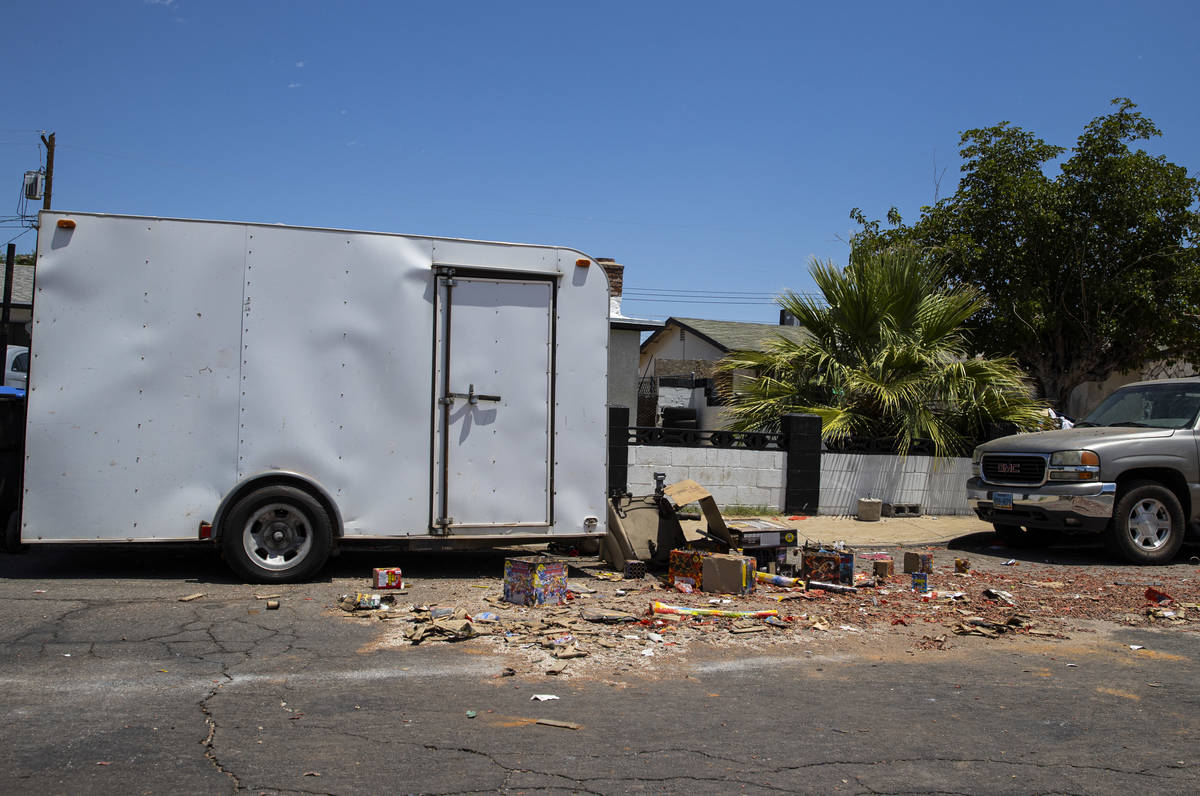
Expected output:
(1009, 468)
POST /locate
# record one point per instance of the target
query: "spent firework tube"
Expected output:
(663, 608)
(777, 580)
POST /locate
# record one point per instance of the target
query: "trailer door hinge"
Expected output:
(443, 522)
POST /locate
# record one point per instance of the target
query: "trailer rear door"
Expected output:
(493, 447)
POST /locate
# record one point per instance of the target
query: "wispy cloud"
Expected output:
(160, 2)
(295, 85)
(299, 64)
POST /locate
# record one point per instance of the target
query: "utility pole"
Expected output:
(10, 260)
(49, 142)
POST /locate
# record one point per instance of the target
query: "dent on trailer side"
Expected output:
(131, 430)
(335, 370)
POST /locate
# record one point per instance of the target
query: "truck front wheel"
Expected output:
(1147, 524)
(277, 534)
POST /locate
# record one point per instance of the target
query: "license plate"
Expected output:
(1002, 500)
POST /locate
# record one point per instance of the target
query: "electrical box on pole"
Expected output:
(35, 185)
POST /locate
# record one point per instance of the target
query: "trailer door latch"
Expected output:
(471, 396)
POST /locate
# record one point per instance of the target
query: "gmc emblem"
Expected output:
(1008, 467)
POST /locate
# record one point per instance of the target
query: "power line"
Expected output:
(668, 290)
(698, 301)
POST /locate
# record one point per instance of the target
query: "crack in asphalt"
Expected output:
(509, 770)
(210, 752)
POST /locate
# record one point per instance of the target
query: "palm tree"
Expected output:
(886, 356)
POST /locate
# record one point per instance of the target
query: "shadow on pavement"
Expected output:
(1067, 551)
(202, 564)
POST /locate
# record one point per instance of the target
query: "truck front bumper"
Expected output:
(1078, 507)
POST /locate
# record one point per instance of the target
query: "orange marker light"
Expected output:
(583, 263)
(66, 223)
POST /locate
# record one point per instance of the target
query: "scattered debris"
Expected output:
(272, 605)
(1000, 596)
(190, 597)
(566, 725)
(1156, 596)
(543, 697)
(663, 608)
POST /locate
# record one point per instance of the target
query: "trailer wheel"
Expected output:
(277, 534)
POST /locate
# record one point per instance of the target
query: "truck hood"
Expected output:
(1074, 439)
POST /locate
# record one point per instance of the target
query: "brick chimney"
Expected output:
(615, 272)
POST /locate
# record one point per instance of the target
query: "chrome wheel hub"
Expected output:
(1149, 524)
(277, 537)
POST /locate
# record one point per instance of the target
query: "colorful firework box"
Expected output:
(687, 564)
(918, 562)
(387, 578)
(534, 581)
(827, 566)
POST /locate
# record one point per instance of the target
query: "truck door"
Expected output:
(493, 379)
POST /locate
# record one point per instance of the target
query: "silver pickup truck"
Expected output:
(1130, 470)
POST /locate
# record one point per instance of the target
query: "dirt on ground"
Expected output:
(610, 625)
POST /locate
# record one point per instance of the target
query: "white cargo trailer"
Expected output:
(281, 389)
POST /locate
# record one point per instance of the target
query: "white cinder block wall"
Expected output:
(734, 477)
(939, 485)
(756, 478)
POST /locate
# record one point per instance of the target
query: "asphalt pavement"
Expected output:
(111, 684)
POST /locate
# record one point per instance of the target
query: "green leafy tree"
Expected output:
(886, 356)
(1087, 273)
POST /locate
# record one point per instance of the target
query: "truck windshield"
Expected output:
(1148, 405)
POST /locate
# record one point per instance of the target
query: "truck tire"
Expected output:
(1147, 524)
(277, 534)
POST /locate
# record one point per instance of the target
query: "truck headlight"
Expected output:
(975, 456)
(1074, 466)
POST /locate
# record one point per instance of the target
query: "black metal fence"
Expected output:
(799, 440)
(704, 438)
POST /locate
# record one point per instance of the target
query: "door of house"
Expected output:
(494, 361)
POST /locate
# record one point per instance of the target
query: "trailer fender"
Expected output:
(278, 478)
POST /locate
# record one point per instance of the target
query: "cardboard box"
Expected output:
(918, 562)
(534, 581)
(962, 565)
(687, 564)
(884, 568)
(724, 573)
(387, 578)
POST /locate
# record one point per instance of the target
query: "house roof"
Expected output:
(22, 290)
(733, 335)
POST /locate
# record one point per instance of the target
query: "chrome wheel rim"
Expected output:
(1149, 524)
(277, 537)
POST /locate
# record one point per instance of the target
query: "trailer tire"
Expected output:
(277, 534)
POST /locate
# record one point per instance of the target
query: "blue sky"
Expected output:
(710, 147)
